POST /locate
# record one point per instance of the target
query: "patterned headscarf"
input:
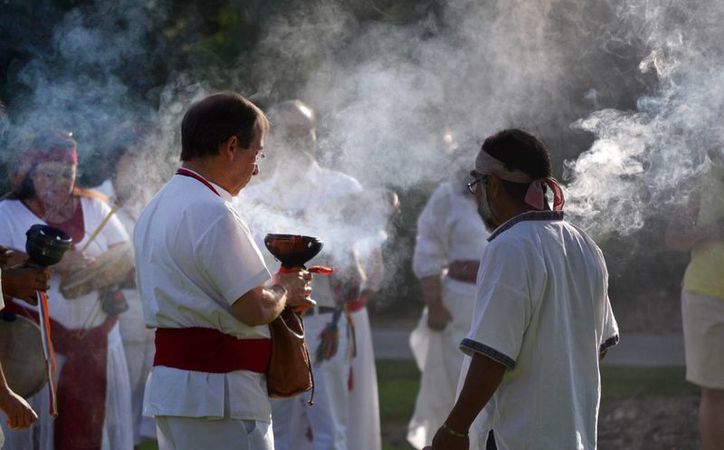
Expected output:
(535, 197)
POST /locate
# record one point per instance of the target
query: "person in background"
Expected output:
(542, 318)
(92, 377)
(206, 289)
(21, 283)
(699, 228)
(128, 192)
(450, 241)
(376, 209)
(299, 188)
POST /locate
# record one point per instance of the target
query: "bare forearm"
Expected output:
(260, 305)
(483, 378)
(432, 291)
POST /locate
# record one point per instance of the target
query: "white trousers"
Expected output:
(363, 432)
(194, 433)
(322, 426)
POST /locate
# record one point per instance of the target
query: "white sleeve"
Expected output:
(609, 331)
(113, 231)
(227, 255)
(430, 256)
(609, 335)
(504, 305)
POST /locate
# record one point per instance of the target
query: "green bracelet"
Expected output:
(452, 432)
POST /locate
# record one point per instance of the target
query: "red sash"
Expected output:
(81, 382)
(210, 350)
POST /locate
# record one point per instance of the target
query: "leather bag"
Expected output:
(290, 370)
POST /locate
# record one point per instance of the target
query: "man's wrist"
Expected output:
(453, 432)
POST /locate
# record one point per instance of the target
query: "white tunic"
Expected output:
(195, 257)
(543, 311)
(81, 312)
(448, 229)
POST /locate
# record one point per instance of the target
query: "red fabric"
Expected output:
(191, 174)
(75, 226)
(358, 303)
(81, 383)
(209, 350)
(55, 154)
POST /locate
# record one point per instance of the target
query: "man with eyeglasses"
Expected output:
(206, 289)
(542, 319)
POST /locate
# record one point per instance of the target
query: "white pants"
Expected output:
(363, 432)
(199, 433)
(326, 421)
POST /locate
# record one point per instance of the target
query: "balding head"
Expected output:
(294, 126)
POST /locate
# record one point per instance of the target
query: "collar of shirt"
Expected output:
(526, 216)
(223, 193)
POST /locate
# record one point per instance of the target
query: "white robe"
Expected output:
(138, 341)
(84, 311)
(449, 229)
(285, 205)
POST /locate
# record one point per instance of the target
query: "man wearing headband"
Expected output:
(542, 316)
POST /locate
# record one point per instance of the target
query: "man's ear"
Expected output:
(228, 147)
(494, 187)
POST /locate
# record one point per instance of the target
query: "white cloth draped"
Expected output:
(363, 432)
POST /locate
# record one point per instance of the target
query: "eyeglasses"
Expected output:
(472, 184)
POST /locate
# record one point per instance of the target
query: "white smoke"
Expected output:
(647, 161)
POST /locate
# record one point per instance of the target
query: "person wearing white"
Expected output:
(203, 283)
(363, 432)
(20, 283)
(300, 189)
(52, 171)
(137, 339)
(542, 317)
(450, 242)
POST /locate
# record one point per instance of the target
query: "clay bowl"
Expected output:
(46, 245)
(292, 250)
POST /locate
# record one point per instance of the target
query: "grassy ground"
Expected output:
(641, 408)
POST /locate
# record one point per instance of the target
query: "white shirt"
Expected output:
(195, 257)
(448, 229)
(84, 311)
(300, 205)
(543, 311)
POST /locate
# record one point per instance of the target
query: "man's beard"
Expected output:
(486, 213)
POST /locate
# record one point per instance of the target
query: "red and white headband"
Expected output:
(535, 197)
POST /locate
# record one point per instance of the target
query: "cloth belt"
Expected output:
(82, 381)
(359, 303)
(210, 350)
